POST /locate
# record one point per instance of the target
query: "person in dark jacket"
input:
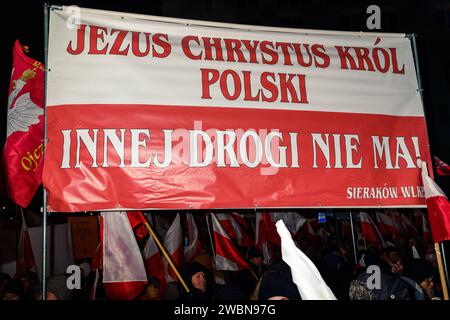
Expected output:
(199, 281)
(375, 283)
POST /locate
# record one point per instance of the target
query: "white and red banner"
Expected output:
(147, 112)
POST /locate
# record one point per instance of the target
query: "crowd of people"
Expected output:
(404, 269)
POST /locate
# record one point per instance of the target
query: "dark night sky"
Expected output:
(430, 20)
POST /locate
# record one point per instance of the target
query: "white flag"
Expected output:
(304, 273)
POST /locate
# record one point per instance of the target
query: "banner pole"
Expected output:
(353, 238)
(441, 270)
(166, 255)
(44, 200)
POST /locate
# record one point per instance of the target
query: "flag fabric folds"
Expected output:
(265, 237)
(153, 261)
(387, 225)
(370, 231)
(23, 151)
(124, 275)
(25, 257)
(442, 168)
(236, 228)
(438, 208)
(173, 243)
(305, 275)
(194, 246)
(227, 257)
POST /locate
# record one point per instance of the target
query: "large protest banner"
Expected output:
(157, 113)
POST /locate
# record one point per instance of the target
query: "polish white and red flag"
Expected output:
(398, 221)
(124, 274)
(370, 231)
(438, 208)
(442, 168)
(153, 260)
(173, 243)
(228, 257)
(194, 246)
(236, 227)
(387, 225)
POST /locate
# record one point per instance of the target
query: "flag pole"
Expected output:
(169, 260)
(444, 261)
(210, 237)
(44, 200)
(441, 270)
(353, 238)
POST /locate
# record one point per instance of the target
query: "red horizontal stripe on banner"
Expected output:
(321, 158)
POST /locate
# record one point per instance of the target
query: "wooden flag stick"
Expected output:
(163, 250)
(441, 270)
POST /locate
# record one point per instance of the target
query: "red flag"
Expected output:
(370, 231)
(442, 168)
(194, 247)
(137, 222)
(124, 275)
(22, 153)
(25, 257)
(173, 242)
(227, 256)
(438, 208)
(271, 229)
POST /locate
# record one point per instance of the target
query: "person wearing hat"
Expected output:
(277, 284)
(198, 280)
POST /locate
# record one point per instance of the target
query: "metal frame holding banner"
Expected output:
(153, 113)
